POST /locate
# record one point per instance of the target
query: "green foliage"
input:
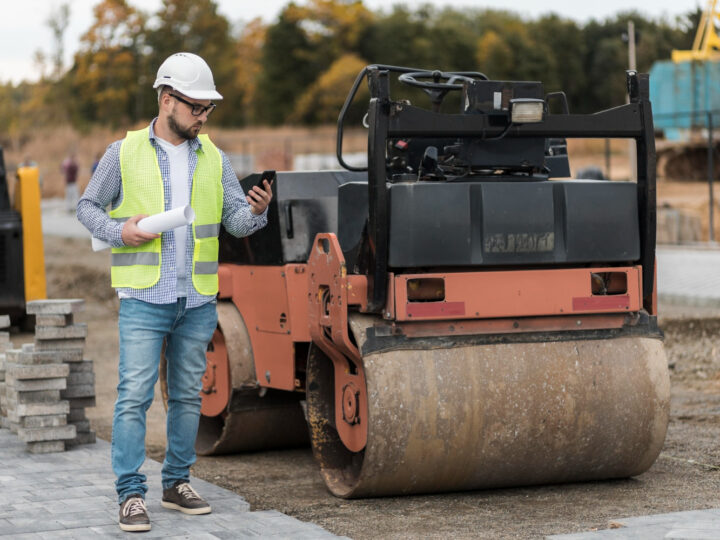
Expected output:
(299, 67)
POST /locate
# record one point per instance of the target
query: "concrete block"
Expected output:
(4, 422)
(4, 321)
(47, 420)
(41, 396)
(58, 344)
(76, 414)
(81, 426)
(37, 371)
(46, 447)
(33, 385)
(53, 320)
(31, 356)
(74, 331)
(55, 307)
(80, 378)
(84, 402)
(78, 391)
(82, 438)
(86, 366)
(14, 426)
(19, 410)
(57, 433)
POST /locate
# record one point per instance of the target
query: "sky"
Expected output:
(24, 30)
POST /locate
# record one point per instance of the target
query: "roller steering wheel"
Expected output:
(441, 82)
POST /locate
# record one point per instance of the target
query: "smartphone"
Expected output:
(266, 175)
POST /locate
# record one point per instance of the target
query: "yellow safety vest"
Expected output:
(143, 193)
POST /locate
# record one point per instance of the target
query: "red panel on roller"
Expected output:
(601, 302)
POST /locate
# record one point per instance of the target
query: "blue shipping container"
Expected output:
(682, 94)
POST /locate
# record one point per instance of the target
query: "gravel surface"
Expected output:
(685, 477)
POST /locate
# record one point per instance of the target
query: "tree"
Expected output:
(248, 67)
(108, 74)
(300, 46)
(196, 26)
(321, 103)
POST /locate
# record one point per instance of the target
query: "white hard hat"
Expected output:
(188, 74)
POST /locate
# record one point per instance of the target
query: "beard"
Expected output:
(186, 133)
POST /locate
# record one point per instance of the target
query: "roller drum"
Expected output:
(497, 415)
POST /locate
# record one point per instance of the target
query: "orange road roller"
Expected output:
(459, 314)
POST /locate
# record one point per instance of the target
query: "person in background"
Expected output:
(69, 169)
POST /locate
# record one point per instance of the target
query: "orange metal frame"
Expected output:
(517, 293)
(299, 303)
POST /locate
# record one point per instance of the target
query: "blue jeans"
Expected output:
(143, 328)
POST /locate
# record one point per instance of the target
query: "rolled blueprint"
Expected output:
(159, 223)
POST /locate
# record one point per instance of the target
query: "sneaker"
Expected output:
(133, 514)
(184, 498)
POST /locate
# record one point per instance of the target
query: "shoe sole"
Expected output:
(140, 527)
(192, 511)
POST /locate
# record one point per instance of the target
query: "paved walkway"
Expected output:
(695, 524)
(689, 275)
(71, 495)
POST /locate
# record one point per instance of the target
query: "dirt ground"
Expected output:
(685, 477)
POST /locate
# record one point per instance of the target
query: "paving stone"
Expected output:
(46, 433)
(53, 320)
(85, 366)
(80, 378)
(47, 488)
(36, 409)
(73, 331)
(4, 321)
(88, 437)
(82, 402)
(58, 344)
(76, 414)
(45, 447)
(35, 371)
(78, 391)
(40, 396)
(81, 426)
(46, 420)
(55, 307)
(28, 385)
(30, 356)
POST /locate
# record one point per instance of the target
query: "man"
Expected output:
(166, 284)
(69, 169)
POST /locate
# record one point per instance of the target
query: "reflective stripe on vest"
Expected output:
(129, 259)
(143, 193)
(207, 231)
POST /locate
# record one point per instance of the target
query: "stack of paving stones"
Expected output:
(56, 332)
(5, 345)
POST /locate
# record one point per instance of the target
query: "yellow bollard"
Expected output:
(27, 203)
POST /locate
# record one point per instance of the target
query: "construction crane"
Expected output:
(707, 43)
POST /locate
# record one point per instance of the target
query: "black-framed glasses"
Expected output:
(195, 108)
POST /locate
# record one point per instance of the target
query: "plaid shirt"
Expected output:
(105, 188)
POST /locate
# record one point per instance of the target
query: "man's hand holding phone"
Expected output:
(260, 194)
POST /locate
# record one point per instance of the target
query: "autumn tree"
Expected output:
(248, 68)
(300, 46)
(196, 26)
(107, 76)
(322, 101)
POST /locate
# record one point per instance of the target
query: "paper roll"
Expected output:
(159, 223)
